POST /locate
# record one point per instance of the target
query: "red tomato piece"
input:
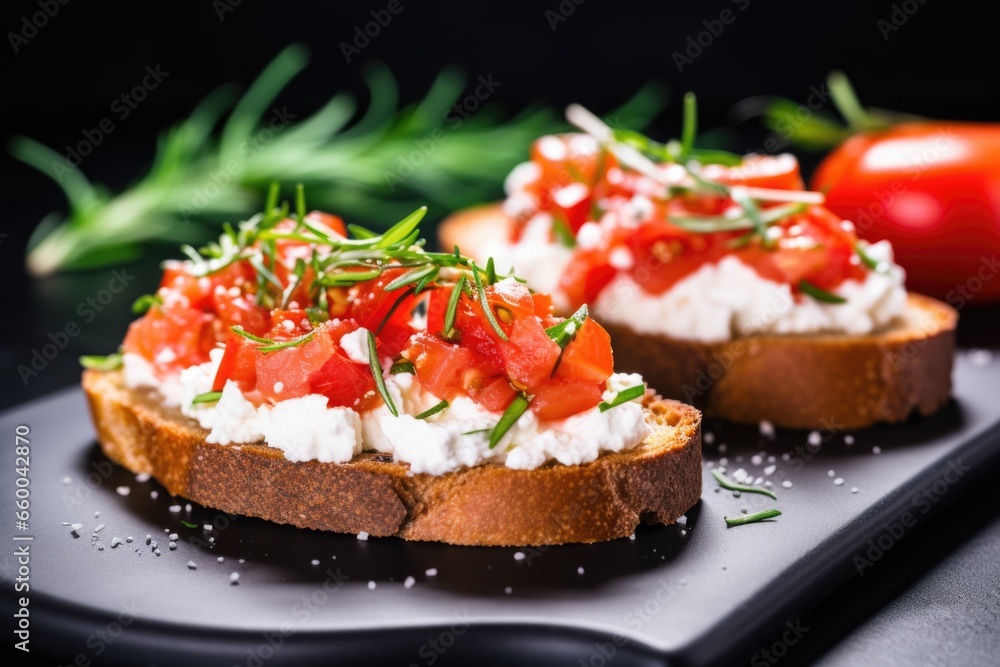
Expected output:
(529, 355)
(588, 356)
(440, 365)
(560, 398)
(171, 338)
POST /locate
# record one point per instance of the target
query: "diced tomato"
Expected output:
(286, 373)
(238, 364)
(171, 338)
(588, 274)
(345, 383)
(664, 254)
(440, 365)
(529, 355)
(370, 304)
(588, 356)
(241, 310)
(328, 220)
(560, 398)
(543, 304)
(495, 394)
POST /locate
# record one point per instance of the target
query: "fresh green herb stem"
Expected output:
(624, 396)
(207, 397)
(820, 294)
(95, 362)
(727, 483)
(751, 518)
(376, 369)
(508, 419)
(432, 410)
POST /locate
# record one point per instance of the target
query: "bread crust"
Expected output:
(657, 481)
(795, 381)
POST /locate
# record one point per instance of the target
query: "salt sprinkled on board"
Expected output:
(192, 565)
(362, 535)
(314, 561)
(432, 572)
(142, 477)
(682, 520)
(839, 481)
(173, 536)
(708, 437)
(408, 582)
(172, 545)
(234, 578)
(766, 429)
(115, 541)
(519, 555)
(722, 448)
(187, 507)
(371, 585)
(99, 528)
(787, 484)
(508, 590)
(174, 508)
(632, 537)
(579, 570)
(848, 439)
(769, 470)
(854, 489)
(814, 438)
(97, 514)
(876, 450)
(829, 473)
(154, 494)
(67, 480)
(756, 459)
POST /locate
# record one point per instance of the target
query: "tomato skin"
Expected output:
(561, 398)
(440, 365)
(345, 383)
(588, 356)
(171, 338)
(931, 189)
(370, 304)
(495, 394)
(529, 354)
(239, 364)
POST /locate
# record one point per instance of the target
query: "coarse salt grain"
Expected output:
(408, 582)
(234, 578)
(814, 438)
(787, 484)
(848, 439)
(876, 450)
(362, 535)
(432, 572)
(174, 508)
(192, 565)
(756, 459)
(519, 555)
(839, 481)
(371, 585)
(766, 429)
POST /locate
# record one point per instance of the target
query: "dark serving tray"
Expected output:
(693, 594)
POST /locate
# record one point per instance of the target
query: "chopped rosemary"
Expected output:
(145, 302)
(207, 397)
(562, 232)
(478, 430)
(188, 524)
(563, 332)
(377, 373)
(448, 331)
(300, 203)
(491, 272)
(508, 419)
(359, 232)
(707, 224)
(392, 309)
(689, 127)
(402, 229)
(727, 483)
(432, 411)
(402, 366)
(98, 363)
(287, 343)
(751, 518)
(753, 212)
(240, 331)
(869, 261)
(484, 303)
(820, 294)
(624, 396)
(317, 315)
(410, 277)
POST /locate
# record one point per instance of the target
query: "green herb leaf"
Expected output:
(753, 212)
(690, 125)
(727, 483)
(392, 309)
(145, 302)
(359, 232)
(402, 229)
(188, 524)
(562, 232)
(485, 304)
(478, 430)
(508, 419)
(820, 294)
(240, 331)
(491, 272)
(402, 366)
(751, 518)
(300, 202)
(410, 277)
(563, 332)
(432, 411)
(287, 343)
(207, 397)
(110, 362)
(449, 314)
(624, 396)
(376, 369)
(869, 261)
(317, 315)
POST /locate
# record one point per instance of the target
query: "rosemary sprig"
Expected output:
(448, 331)
(376, 368)
(432, 410)
(481, 292)
(95, 362)
(727, 483)
(564, 332)
(144, 303)
(402, 366)
(763, 515)
(624, 396)
(508, 419)
(820, 294)
(869, 261)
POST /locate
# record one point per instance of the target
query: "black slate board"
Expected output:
(693, 594)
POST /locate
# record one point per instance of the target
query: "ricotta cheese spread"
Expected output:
(306, 428)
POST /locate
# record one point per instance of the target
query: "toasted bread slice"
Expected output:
(658, 481)
(795, 381)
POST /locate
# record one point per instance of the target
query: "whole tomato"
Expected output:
(933, 190)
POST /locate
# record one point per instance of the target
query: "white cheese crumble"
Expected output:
(306, 428)
(729, 298)
(355, 346)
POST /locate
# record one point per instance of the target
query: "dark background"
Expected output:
(940, 63)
